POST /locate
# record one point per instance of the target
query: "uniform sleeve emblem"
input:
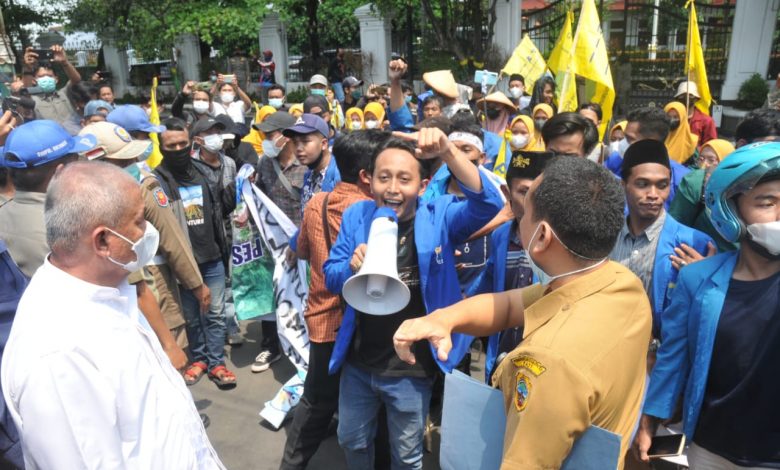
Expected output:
(530, 364)
(522, 391)
(161, 197)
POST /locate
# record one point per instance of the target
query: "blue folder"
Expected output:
(473, 424)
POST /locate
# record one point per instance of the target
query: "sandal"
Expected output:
(221, 376)
(194, 373)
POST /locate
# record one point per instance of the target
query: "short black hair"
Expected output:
(80, 93)
(406, 146)
(175, 124)
(102, 85)
(516, 77)
(463, 125)
(567, 124)
(316, 101)
(464, 118)
(758, 124)
(595, 107)
(583, 203)
(405, 86)
(33, 179)
(653, 122)
(354, 151)
(276, 86)
(433, 98)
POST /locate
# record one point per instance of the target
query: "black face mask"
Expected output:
(761, 250)
(674, 124)
(493, 113)
(178, 162)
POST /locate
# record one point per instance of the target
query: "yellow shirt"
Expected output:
(582, 362)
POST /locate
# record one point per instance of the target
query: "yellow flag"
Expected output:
(527, 61)
(562, 66)
(156, 157)
(694, 63)
(592, 63)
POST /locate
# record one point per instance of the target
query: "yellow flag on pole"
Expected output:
(592, 63)
(562, 66)
(695, 70)
(154, 117)
(527, 61)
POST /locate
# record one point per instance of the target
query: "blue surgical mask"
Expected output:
(276, 103)
(408, 98)
(134, 171)
(146, 153)
(47, 84)
(317, 91)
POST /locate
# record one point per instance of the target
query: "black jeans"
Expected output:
(312, 416)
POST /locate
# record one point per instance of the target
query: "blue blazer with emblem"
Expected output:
(439, 226)
(687, 338)
(665, 275)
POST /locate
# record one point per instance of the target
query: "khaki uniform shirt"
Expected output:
(582, 362)
(23, 229)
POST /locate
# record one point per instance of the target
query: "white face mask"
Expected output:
(544, 278)
(227, 98)
(213, 143)
(145, 248)
(518, 141)
(767, 235)
(356, 126)
(371, 124)
(516, 92)
(618, 146)
(276, 103)
(270, 149)
(200, 106)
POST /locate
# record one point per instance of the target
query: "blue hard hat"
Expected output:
(738, 173)
(133, 118)
(39, 142)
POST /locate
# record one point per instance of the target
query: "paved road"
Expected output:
(241, 437)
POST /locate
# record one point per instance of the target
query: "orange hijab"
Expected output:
(680, 143)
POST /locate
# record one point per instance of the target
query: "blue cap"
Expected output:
(92, 107)
(39, 142)
(133, 118)
(308, 124)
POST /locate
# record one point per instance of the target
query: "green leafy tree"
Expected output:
(23, 17)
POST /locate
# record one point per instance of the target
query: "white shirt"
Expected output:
(234, 110)
(89, 386)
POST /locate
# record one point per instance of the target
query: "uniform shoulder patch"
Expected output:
(530, 364)
(522, 391)
(161, 197)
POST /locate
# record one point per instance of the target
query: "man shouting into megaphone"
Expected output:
(427, 234)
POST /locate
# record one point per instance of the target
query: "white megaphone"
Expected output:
(376, 288)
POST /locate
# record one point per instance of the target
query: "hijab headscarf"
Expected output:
(296, 110)
(377, 110)
(548, 110)
(680, 142)
(354, 112)
(533, 145)
(621, 125)
(721, 147)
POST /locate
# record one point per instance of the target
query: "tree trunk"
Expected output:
(313, 33)
(441, 28)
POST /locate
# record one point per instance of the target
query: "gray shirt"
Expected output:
(23, 230)
(637, 253)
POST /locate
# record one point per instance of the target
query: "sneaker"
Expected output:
(264, 360)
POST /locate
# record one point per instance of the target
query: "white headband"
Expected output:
(468, 138)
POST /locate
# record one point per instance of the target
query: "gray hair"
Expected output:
(82, 196)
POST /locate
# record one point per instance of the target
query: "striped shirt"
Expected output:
(637, 253)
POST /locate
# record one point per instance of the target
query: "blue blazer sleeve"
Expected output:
(401, 120)
(672, 365)
(336, 267)
(466, 217)
(294, 240)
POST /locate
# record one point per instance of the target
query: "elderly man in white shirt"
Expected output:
(83, 374)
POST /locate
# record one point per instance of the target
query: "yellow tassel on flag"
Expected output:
(695, 70)
(527, 61)
(156, 157)
(592, 63)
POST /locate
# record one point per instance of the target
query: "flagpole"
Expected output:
(688, 58)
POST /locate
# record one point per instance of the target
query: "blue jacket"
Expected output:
(401, 120)
(615, 162)
(688, 335)
(665, 275)
(439, 226)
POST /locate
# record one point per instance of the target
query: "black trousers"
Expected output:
(312, 416)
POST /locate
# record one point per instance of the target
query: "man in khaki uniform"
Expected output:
(33, 152)
(174, 259)
(586, 327)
